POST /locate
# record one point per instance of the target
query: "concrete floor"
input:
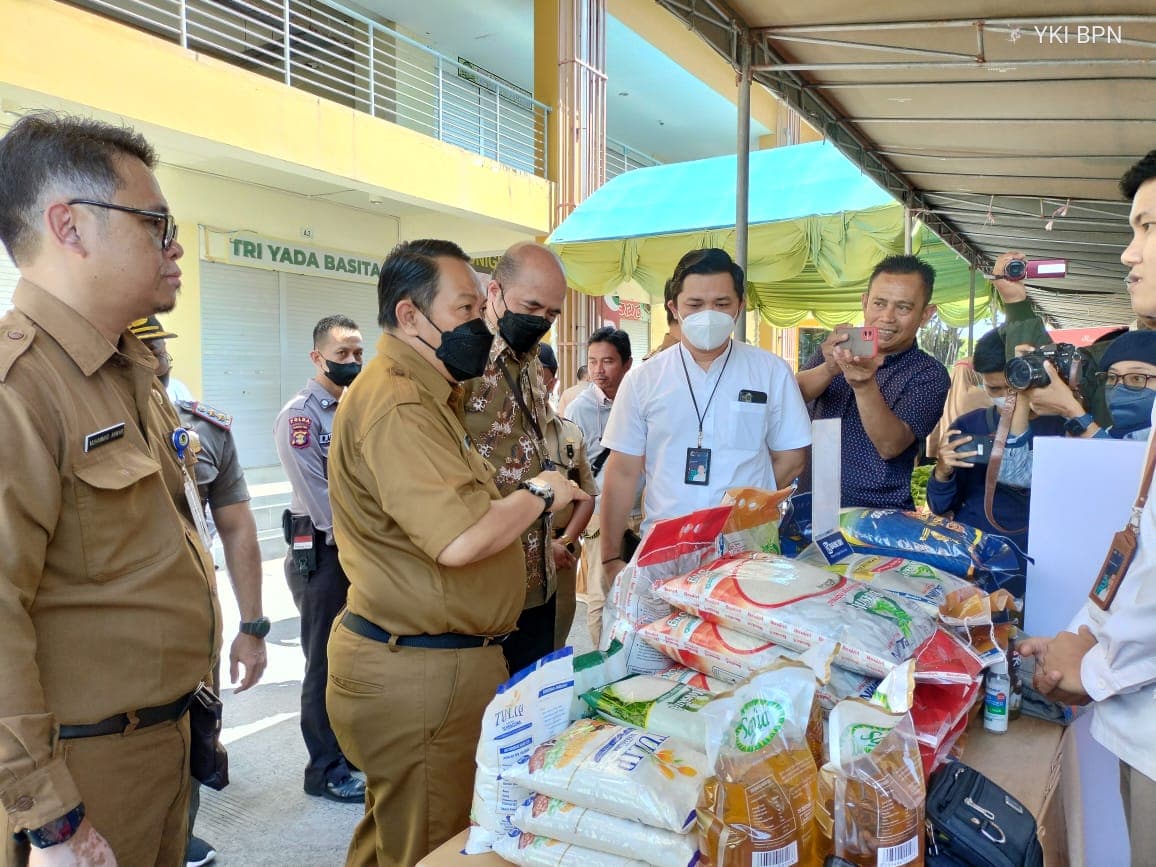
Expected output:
(263, 818)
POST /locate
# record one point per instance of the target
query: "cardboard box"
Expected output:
(450, 855)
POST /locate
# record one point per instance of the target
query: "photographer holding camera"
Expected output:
(958, 484)
(1128, 385)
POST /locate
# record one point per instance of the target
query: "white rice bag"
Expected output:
(670, 548)
(626, 772)
(654, 704)
(530, 850)
(845, 684)
(691, 677)
(724, 653)
(550, 817)
(916, 582)
(797, 605)
(529, 708)
(594, 669)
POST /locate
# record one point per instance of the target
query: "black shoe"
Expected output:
(348, 790)
(199, 853)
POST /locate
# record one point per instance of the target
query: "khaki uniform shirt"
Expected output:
(107, 596)
(564, 443)
(506, 438)
(405, 480)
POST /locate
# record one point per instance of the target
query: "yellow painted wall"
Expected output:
(199, 199)
(55, 55)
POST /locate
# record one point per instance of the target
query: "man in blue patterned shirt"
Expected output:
(888, 403)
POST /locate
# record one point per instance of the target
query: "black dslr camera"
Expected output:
(1074, 365)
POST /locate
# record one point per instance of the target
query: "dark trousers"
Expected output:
(319, 596)
(533, 638)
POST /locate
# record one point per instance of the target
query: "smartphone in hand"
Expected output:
(862, 342)
(981, 445)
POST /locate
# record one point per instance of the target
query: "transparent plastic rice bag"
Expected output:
(759, 805)
(626, 772)
(559, 820)
(529, 708)
(530, 850)
(651, 703)
(797, 605)
(594, 669)
(692, 677)
(916, 582)
(670, 548)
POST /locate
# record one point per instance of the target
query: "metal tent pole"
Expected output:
(742, 184)
(971, 313)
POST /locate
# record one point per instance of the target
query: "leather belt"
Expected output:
(446, 641)
(123, 723)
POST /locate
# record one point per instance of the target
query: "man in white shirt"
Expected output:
(706, 415)
(608, 359)
(1109, 657)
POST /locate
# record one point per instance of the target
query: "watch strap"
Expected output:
(58, 830)
(259, 627)
(1079, 424)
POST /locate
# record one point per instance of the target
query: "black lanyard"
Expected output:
(705, 409)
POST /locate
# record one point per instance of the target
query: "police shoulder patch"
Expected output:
(299, 431)
(214, 416)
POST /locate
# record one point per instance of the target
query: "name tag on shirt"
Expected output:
(103, 437)
(324, 438)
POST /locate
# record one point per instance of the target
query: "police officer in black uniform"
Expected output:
(314, 574)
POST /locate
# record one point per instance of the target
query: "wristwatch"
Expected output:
(1077, 426)
(540, 489)
(58, 830)
(259, 627)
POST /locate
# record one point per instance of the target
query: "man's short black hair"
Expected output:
(667, 296)
(709, 260)
(988, 355)
(411, 271)
(620, 340)
(324, 326)
(1135, 177)
(547, 358)
(903, 264)
(582, 373)
(47, 154)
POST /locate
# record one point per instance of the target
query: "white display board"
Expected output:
(1082, 493)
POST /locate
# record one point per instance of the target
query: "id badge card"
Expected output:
(1115, 567)
(198, 509)
(697, 466)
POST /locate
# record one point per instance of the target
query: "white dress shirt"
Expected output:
(653, 415)
(1119, 673)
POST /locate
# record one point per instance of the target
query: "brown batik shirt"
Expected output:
(506, 438)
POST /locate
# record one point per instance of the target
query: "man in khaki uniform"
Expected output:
(565, 448)
(436, 574)
(108, 608)
(506, 414)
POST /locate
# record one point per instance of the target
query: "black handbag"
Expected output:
(972, 822)
(208, 760)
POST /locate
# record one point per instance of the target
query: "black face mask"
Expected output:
(342, 374)
(522, 331)
(465, 351)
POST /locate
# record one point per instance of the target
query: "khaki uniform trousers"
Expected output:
(1139, 794)
(135, 789)
(592, 575)
(410, 718)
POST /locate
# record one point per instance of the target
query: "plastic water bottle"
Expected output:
(997, 689)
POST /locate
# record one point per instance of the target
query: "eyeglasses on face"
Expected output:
(1130, 381)
(166, 220)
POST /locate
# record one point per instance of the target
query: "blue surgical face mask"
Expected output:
(1131, 410)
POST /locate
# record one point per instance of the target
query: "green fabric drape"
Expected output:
(814, 266)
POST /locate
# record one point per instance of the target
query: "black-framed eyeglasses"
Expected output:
(167, 221)
(1130, 381)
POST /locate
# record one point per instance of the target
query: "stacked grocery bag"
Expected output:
(749, 708)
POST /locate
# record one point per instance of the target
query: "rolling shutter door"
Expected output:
(309, 299)
(8, 277)
(241, 354)
(639, 332)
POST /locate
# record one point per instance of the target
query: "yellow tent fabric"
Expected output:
(810, 266)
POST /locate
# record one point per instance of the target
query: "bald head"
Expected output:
(527, 279)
